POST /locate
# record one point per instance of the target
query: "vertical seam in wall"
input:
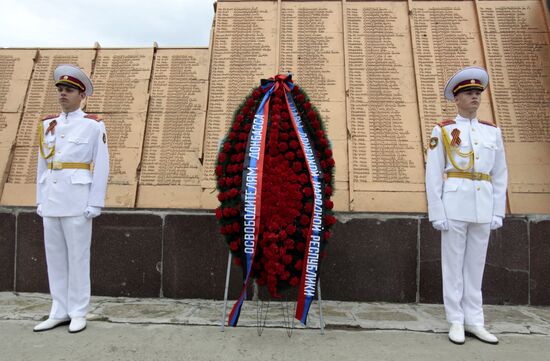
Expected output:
(528, 261)
(419, 222)
(16, 214)
(161, 292)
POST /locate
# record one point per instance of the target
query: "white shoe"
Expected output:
(481, 334)
(50, 323)
(77, 324)
(456, 334)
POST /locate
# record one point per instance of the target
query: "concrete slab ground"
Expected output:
(167, 329)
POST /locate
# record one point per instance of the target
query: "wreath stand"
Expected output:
(262, 307)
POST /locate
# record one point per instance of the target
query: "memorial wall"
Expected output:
(374, 69)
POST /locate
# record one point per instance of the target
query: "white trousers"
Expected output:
(463, 252)
(67, 241)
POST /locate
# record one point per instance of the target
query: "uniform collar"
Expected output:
(72, 115)
(461, 119)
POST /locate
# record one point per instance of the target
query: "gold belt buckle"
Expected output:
(57, 165)
(476, 176)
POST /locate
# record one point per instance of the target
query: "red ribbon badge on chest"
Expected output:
(51, 127)
(456, 137)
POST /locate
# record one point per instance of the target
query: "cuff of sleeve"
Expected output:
(436, 213)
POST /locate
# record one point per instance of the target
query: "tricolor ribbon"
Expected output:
(310, 268)
(251, 191)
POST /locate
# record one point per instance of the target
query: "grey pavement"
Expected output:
(168, 329)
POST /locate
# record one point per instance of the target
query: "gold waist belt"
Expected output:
(470, 175)
(68, 165)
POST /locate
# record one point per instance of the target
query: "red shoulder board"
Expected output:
(446, 122)
(95, 117)
(487, 123)
(50, 116)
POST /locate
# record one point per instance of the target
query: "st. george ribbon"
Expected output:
(252, 196)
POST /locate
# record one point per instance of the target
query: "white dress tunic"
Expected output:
(63, 195)
(469, 206)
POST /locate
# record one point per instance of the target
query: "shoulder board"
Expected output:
(49, 116)
(487, 123)
(95, 117)
(446, 122)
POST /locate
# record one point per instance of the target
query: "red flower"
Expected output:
(298, 265)
(233, 246)
(307, 105)
(311, 115)
(294, 144)
(290, 155)
(297, 166)
(290, 229)
(289, 243)
(308, 192)
(300, 247)
(304, 220)
(328, 191)
(283, 147)
(329, 220)
(250, 102)
(328, 152)
(329, 204)
(293, 281)
(218, 213)
(256, 94)
(300, 98)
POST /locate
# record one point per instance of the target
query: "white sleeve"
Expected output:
(100, 177)
(41, 167)
(499, 178)
(435, 167)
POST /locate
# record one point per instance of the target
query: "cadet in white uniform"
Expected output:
(69, 195)
(466, 179)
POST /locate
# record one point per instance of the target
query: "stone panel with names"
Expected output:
(41, 99)
(385, 145)
(171, 163)
(516, 40)
(121, 95)
(15, 71)
(311, 47)
(243, 52)
(445, 38)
